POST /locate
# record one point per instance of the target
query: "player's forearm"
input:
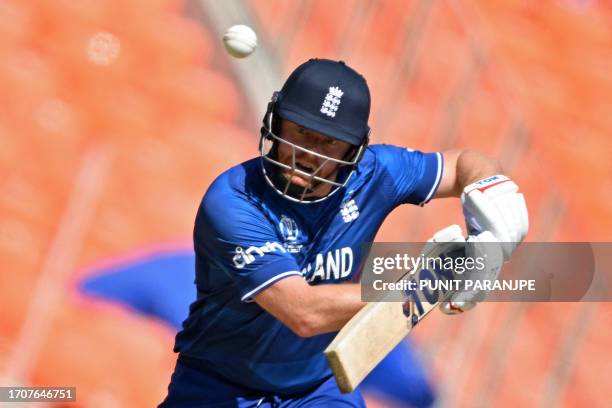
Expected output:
(473, 166)
(310, 310)
(462, 168)
(330, 307)
(470, 166)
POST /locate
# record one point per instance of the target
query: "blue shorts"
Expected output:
(191, 387)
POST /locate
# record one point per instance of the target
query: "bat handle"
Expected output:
(409, 311)
(414, 319)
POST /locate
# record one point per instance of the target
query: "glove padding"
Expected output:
(487, 248)
(484, 246)
(494, 204)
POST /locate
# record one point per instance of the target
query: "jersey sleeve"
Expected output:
(235, 236)
(412, 176)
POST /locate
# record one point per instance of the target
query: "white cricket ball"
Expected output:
(240, 40)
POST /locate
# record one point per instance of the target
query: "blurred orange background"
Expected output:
(117, 115)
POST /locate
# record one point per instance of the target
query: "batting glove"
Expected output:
(487, 251)
(494, 204)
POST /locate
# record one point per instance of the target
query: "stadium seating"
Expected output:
(113, 99)
(118, 114)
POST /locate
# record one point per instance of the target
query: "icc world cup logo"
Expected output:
(288, 228)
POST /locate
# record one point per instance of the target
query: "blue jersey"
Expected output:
(247, 237)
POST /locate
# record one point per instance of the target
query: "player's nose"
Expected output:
(308, 161)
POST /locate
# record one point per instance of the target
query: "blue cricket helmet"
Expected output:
(327, 97)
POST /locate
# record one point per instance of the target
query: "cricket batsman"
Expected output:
(278, 243)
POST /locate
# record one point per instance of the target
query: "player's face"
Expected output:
(311, 140)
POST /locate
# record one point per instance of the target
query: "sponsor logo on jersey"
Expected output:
(243, 257)
(331, 103)
(349, 211)
(335, 264)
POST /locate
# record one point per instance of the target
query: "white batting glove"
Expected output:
(494, 204)
(483, 246)
(452, 233)
(487, 249)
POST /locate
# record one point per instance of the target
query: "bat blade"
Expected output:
(376, 329)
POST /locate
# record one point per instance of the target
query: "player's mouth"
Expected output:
(298, 178)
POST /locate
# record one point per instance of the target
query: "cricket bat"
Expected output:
(377, 328)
